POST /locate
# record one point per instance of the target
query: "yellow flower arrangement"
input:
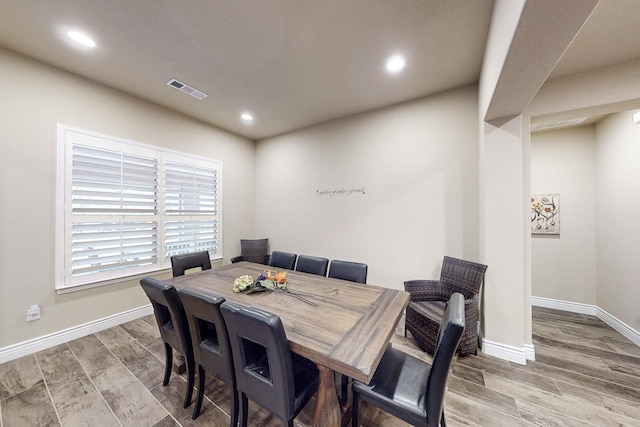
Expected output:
(265, 282)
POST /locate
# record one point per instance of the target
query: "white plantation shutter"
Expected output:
(127, 208)
(107, 182)
(106, 246)
(190, 236)
(190, 189)
(190, 207)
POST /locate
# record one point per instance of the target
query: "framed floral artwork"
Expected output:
(545, 214)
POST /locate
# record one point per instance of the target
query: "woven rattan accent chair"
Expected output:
(429, 298)
(256, 250)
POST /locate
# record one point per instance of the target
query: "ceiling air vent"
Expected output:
(186, 89)
(559, 124)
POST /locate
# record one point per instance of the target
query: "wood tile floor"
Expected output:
(586, 374)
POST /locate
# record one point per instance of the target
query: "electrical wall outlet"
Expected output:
(33, 313)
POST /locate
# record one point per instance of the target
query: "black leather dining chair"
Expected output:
(182, 262)
(174, 330)
(312, 264)
(282, 260)
(347, 270)
(210, 343)
(267, 372)
(409, 388)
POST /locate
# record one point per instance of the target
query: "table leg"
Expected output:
(179, 364)
(328, 412)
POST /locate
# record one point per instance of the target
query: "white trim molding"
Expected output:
(575, 307)
(530, 351)
(46, 341)
(625, 330)
(503, 351)
(508, 352)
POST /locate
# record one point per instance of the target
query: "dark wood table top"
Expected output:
(347, 332)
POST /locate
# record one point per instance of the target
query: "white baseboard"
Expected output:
(46, 341)
(574, 307)
(530, 351)
(502, 351)
(527, 352)
(507, 352)
(625, 330)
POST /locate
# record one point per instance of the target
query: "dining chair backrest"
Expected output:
(449, 336)
(262, 358)
(169, 313)
(347, 270)
(312, 264)
(208, 331)
(210, 341)
(458, 275)
(263, 362)
(173, 326)
(182, 262)
(253, 250)
(283, 260)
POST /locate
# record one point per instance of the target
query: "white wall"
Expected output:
(602, 91)
(618, 212)
(417, 163)
(595, 170)
(564, 266)
(34, 99)
(502, 163)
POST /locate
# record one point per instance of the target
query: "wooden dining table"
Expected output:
(341, 326)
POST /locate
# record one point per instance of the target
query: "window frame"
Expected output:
(67, 138)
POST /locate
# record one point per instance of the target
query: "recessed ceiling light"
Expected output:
(81, 39)
(395, 64)
(247, 117)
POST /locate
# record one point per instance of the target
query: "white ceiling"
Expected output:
(292, 63)
(610, 36)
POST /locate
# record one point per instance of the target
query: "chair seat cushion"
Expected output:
(423, 321)
(431, 309)
(398, 386)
